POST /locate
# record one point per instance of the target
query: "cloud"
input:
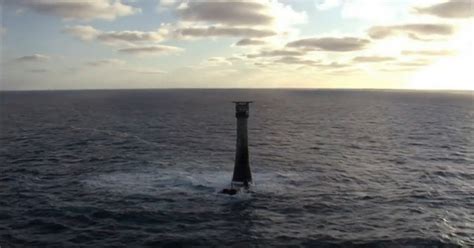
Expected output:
(3, 31)
(275, 53)
(145, 71)
(228, 13)
(296, 61)
(397, 69)
(78, 9)
(235, 58)
(418, 63)
(105, 62)
(414, 31)
(240, 18)
(151, 50)
(429, 52)
(84, 33)
(38, 70)
(331, 44)
(370, 59)
(334, 65)
(260, 64)
(131, 37)
(216, 61)
(224, 31)
(33, 58)
(249, 42)
(126, 37)
(167, 3)
(449, 9)
(137, 42)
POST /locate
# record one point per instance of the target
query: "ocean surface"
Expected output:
(143, 168)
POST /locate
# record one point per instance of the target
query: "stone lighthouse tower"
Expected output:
(242, 175)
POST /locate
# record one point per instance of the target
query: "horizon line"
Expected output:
(236, 88)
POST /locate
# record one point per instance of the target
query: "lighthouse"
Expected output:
(242, 176)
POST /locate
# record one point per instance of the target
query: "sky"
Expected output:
(118, 44)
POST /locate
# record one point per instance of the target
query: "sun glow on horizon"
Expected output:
(450, 73)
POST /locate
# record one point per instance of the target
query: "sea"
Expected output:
(144, 168)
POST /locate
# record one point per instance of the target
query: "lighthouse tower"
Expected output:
(242, 175)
